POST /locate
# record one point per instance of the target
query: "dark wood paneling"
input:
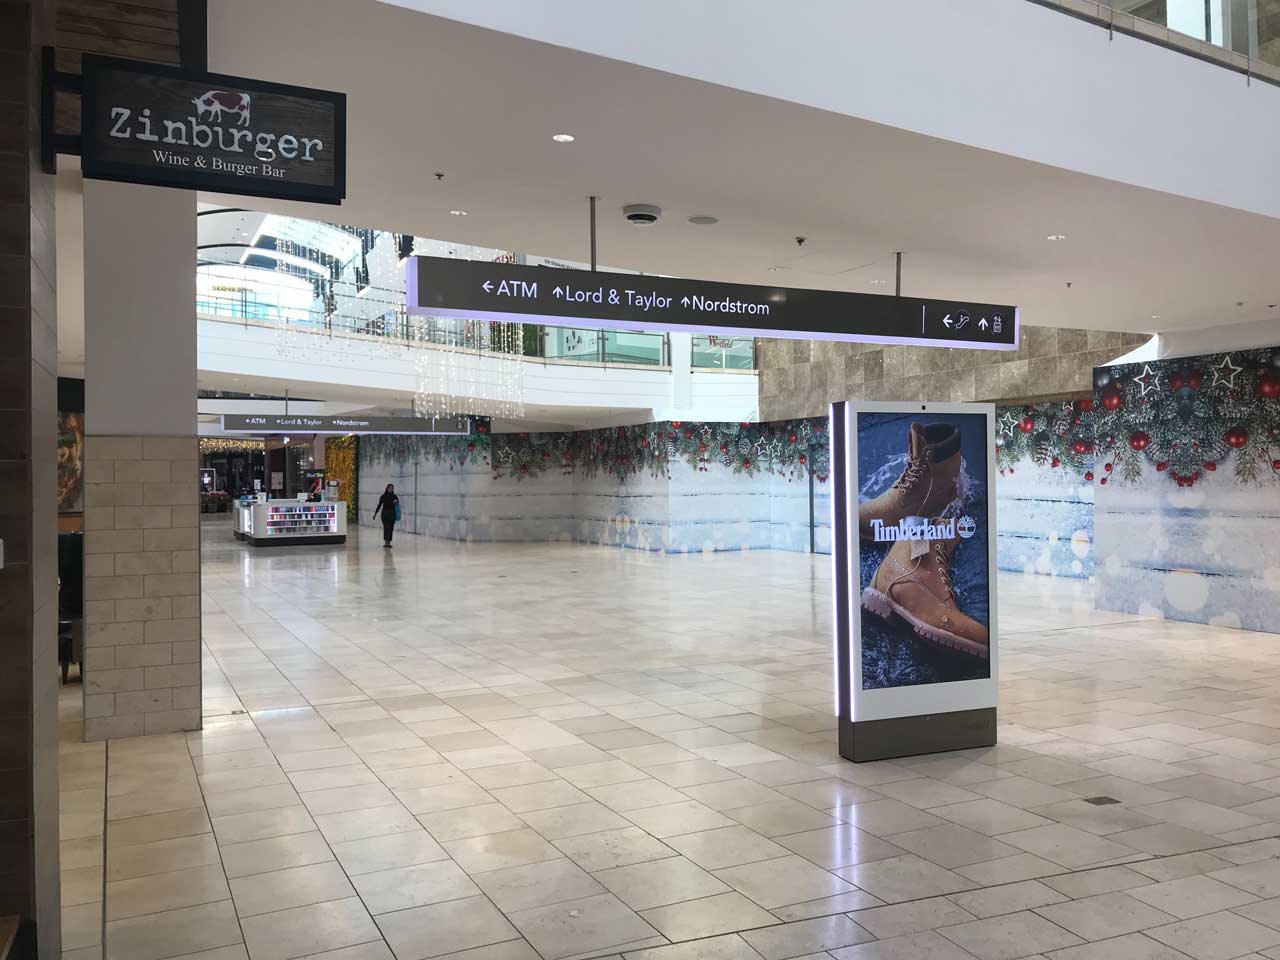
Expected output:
(117, 47)
(133, 29)
(108, 30)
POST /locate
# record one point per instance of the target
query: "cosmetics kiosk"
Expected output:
(277, 523)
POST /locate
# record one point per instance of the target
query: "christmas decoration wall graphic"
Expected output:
(1189, 418)
(789, 449)
(1183, 419)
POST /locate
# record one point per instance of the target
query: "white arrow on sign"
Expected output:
(488, 286)
(558, 292)
(684, 301)
(946, 321)
(982, 323)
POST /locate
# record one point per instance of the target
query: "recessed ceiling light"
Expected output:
(704, 221)
(1155, 316)
(879, 281)
(563, 138)
(1056, 236)
(457, 213)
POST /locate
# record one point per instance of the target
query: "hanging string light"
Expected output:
(214, 445)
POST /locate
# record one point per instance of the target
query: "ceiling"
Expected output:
(428, 95)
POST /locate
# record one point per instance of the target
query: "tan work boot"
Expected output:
(926, 486)
(919, 591)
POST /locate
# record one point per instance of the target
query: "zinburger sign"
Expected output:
(143, 123)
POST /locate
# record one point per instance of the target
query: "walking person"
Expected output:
(389, 507)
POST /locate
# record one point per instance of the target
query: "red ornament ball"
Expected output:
(1139, 440)
(1236, 437)
(1103, 481)
(677, 423)
(791, 438)
(747, 464)
(1112, 400)
(1275, 465)
(724, 448)
(1194, 380)
(1107, 467)
(1089, 475)
(1080, 446)
(1176, 380)
(1210, 466)
(1055, 462)
(803, 458)
(1269, 386)
(1162, 466)
(1026, 424)
(1086, 405)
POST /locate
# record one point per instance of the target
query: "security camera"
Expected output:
(643, 213)
(800, 241)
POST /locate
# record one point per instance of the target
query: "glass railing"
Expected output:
(724, 353)
(603, 346)
(386, 318)
(1247, 27)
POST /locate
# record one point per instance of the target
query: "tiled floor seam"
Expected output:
(345, 873)
(222, 866)
(106, 796)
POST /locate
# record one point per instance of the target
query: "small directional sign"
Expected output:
(479, 290)
(269, 423)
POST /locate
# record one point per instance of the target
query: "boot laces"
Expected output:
(944, 570)
(911, 476)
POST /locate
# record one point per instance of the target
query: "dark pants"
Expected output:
(388, 527)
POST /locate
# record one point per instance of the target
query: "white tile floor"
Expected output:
(514, 752)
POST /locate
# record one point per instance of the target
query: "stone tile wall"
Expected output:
(28, 491)
(800, 378)
(142, 586)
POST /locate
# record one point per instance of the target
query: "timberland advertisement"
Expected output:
(143, 123)
(924, 564)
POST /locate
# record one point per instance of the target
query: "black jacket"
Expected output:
(387, 507)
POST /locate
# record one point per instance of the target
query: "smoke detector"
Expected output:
(642, 213)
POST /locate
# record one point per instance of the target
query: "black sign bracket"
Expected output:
(53, 82)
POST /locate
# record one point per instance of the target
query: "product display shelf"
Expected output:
(288, 522)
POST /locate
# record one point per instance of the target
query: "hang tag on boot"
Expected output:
(919, 545)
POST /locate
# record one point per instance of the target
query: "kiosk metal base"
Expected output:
(295, 541)
(909, 736)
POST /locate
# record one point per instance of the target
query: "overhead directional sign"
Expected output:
(293, 423)
(479, 290)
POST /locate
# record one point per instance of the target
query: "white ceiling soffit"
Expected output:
(427, 94)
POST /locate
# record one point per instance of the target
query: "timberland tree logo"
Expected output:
(921, 528)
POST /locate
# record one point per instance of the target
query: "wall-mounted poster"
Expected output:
(914, 565)
(70, 462)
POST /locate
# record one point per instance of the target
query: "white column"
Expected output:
(681, 349)
(142, 547)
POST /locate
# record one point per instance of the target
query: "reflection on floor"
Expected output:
(506, 752)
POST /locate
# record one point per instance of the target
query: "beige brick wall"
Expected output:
(800, 378)
(142, 586)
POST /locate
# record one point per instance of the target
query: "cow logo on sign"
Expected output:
(217, 102)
